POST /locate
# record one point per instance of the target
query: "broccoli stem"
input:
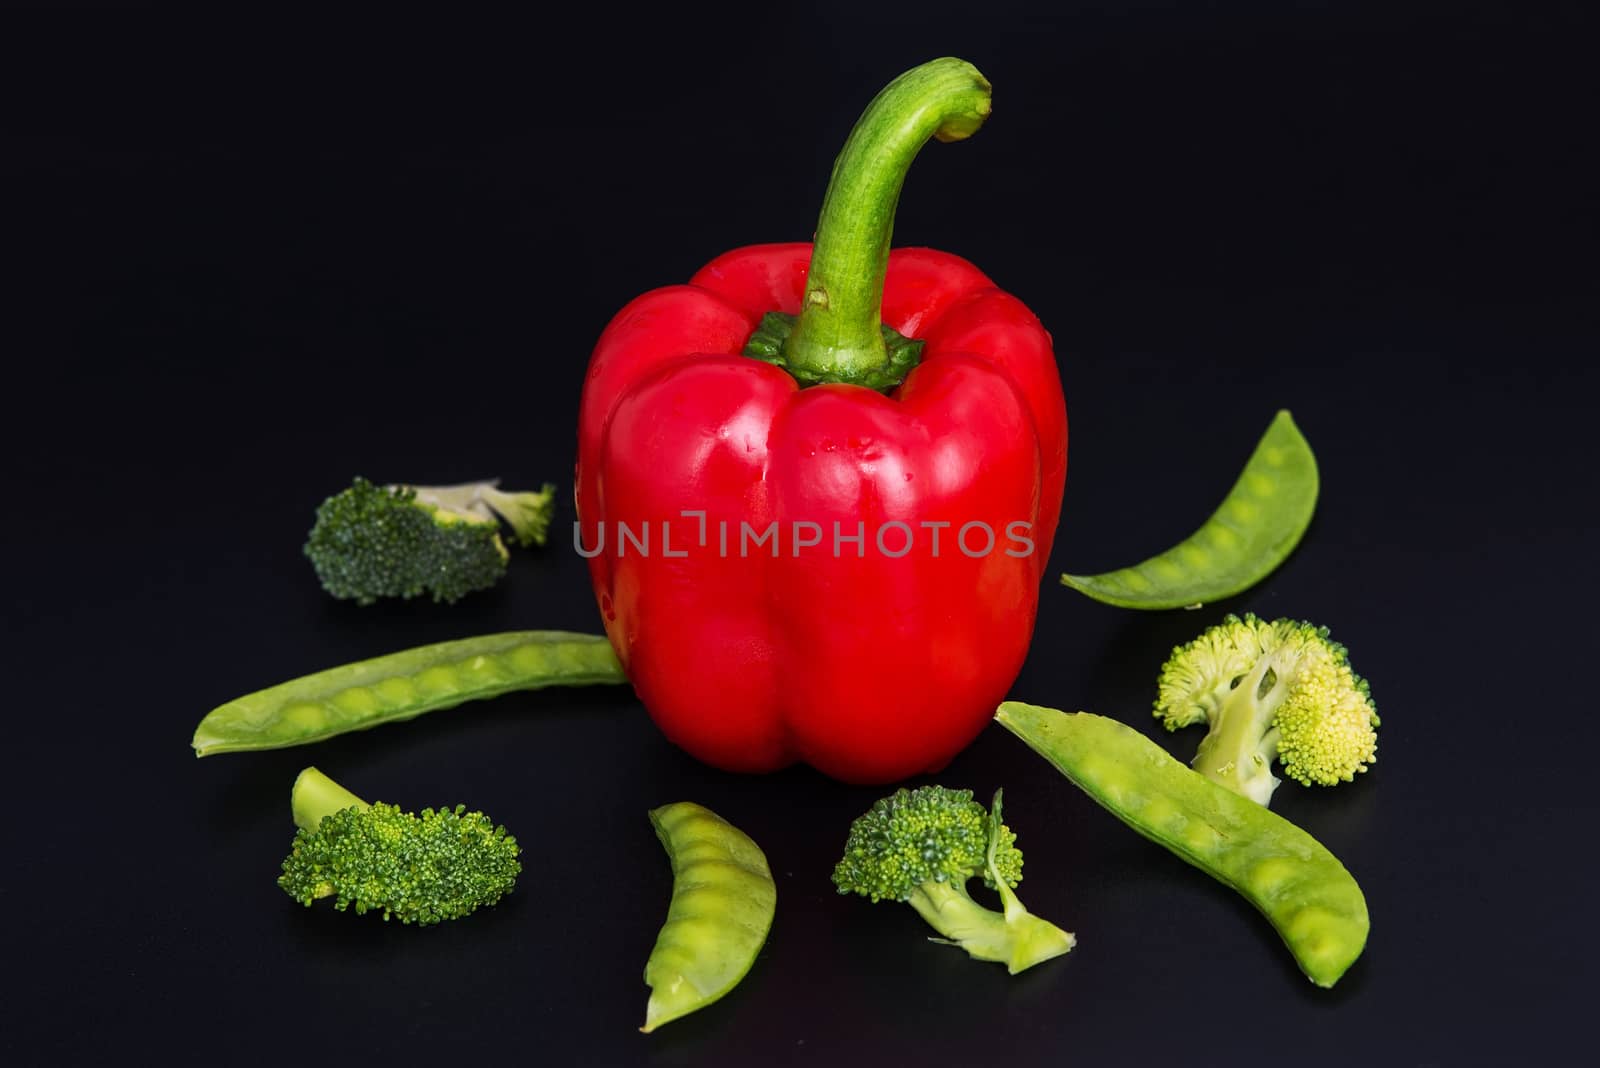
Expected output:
(315, 796)
(465, 497)
(1242, 744)
(527, 512)
(1016, 938)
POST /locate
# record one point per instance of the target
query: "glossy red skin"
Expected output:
(868, 669)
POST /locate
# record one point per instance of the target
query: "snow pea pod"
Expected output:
(1255, 528)
(723, 899)
(1310, 899)
(403, 685)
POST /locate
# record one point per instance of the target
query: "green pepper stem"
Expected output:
(837, 337)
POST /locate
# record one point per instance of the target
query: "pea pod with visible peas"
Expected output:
(1255, 528)
(723, 900)
(404, 685)
(1310, 899)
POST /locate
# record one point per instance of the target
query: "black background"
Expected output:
(256, 257)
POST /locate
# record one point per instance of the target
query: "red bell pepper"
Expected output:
(875, 627)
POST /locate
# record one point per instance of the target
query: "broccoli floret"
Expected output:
(921, 846)
(401, 541)
(1279, 691)
(419, 868)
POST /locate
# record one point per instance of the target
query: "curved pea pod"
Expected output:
(1310, 899)
(404, 685)
(1254, 530)
(723, 900)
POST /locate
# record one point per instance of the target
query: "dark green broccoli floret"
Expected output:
(921, 846)
(419, 868)
(1280, 691)
(402, 541)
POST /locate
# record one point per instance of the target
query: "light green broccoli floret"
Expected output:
(439, 864)
(1280, 691)
(371, 542)
(921, 846)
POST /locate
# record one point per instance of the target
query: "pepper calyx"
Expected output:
(767, 343)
